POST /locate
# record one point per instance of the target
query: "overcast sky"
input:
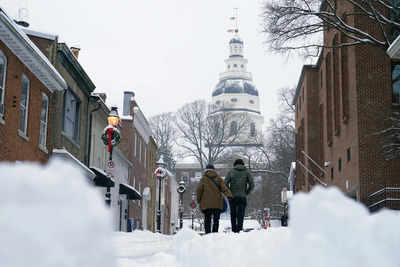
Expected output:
(169, 52)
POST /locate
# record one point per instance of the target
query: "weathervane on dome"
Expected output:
(235, 28)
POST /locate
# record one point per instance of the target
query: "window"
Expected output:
(24, 105)
(242, 66)
(218, 102)
(234, 128)
(331, 173)
(71, 115)
(340, 164)
(235, 65)
(3, 68)
(396, 83)
(229, 66)
(252, 129)
(145, 151)
(348, 154)
(135, 148)
(140, 150)
(234, 100)
(251, 101)
(43, 120)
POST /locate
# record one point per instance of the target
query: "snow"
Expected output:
(51, 216)
(326, 229)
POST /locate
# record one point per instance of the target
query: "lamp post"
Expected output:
(160, 173)
(193, 196)
(111, 137)
(181, 189)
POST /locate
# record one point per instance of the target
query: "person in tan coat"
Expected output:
(209, 196)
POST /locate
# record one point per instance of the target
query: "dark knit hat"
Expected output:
(210, 167)
(238, 162)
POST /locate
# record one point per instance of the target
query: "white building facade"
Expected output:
(235, 91)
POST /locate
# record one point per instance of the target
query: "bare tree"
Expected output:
(278, 151)
(165, 135)
(391, 142)
(206, 133)
(299, 24)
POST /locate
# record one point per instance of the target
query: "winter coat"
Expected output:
(208, 195)
(239, 181)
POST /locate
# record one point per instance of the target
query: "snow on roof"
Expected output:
(20, 44)
(65, 153)
(126, 117)
(40, 34)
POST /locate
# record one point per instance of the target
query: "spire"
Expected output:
(236, 43)
(235, 27)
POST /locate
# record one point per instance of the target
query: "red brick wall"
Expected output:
(13, 147)
(355, 101)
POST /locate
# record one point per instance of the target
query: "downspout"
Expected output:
(89, 132)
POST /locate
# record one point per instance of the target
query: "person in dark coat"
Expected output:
(240, 182)
(210, 198)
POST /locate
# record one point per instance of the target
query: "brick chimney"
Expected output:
(75, 51)
(128, 97)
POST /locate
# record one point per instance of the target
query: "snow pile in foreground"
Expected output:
(50, 216)
(326, 229)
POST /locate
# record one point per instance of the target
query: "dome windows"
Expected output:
(234, 100)
(251, 101)
(242, 66)
(235, 86)
(235, 65)
(217, 102)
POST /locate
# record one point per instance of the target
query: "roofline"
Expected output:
(300, 82)
(40, 34)
(30, 55)
(64, 49)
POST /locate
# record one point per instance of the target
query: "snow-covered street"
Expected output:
(54, 221)
(326, 229)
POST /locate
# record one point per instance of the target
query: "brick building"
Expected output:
(342, 103)
(27, 84)
(70, 118)
(139, 147)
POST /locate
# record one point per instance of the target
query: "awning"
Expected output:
(102, 179)
(65, 155)
(129, 191)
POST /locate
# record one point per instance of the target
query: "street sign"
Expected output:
(160, 173)
(110, 164)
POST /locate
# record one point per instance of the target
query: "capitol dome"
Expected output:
(235, 86)
(236, 40)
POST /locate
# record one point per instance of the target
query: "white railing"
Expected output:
(235, 74)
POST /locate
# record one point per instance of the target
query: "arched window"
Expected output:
(252, 129)
(234, 128)
(3, 68)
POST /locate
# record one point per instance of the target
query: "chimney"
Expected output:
(75, 50)
(128, 97)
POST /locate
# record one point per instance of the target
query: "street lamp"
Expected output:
(193, 205)
(181, 189)
(160, 173)
(111, 137)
